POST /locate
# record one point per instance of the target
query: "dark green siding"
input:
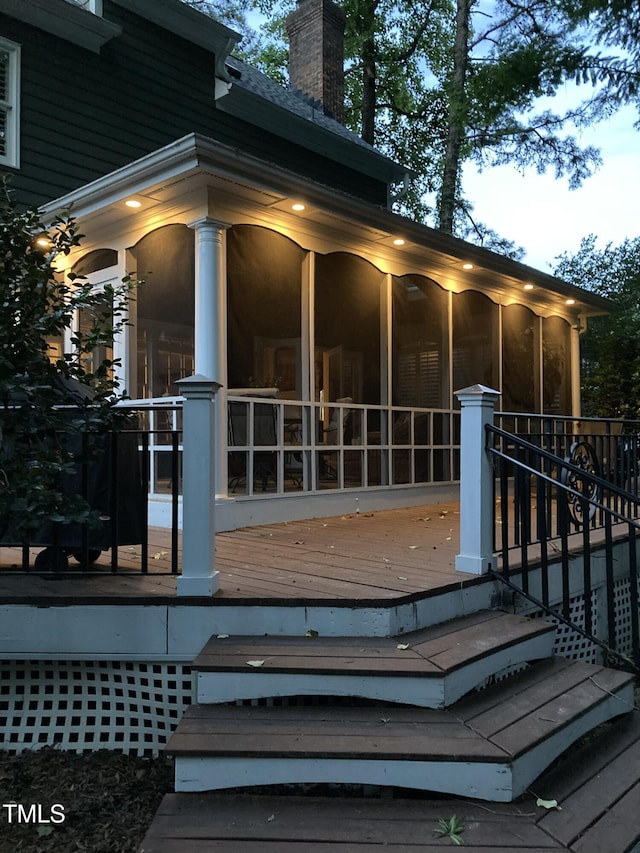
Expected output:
(85, 114)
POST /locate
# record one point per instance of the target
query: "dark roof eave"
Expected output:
(182, 20)
(256, 110)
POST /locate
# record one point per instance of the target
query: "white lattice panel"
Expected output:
(87, 705)
(570, 643)
(622, 605)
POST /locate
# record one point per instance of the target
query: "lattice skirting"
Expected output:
(88, 705)
(571, 644)
(622, 604)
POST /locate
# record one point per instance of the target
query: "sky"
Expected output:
(541, 214)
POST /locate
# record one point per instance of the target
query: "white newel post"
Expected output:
(476, 480)
(199, 575)
(210, 332)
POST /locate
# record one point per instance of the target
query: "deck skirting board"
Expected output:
(229, 686)
(476, 780)
(86, 631)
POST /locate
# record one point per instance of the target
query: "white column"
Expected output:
(199, 575)
(124, 344)
(476, 480)
(210, 327)
(576, 402)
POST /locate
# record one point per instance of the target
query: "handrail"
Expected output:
(586, 476)
(552, 491)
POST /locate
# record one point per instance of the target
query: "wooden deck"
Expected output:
(596, 787)
(369, 557)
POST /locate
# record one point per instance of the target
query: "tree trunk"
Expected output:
(456, 119)
(368, 91)
(366, 28)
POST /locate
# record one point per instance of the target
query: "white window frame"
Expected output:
(11, 106)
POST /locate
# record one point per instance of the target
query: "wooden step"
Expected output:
(595, 785)
(430, 668)
(232, 823)
(490, 745)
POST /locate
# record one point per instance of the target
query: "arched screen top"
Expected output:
(98, 259)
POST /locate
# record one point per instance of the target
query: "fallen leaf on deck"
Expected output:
(311, 633)
(160, 554)
(402, 646)
(548, 804)
(272, 817)
(222, 637)
(255, 663)
(402, 578)
(298, 542)
(413, 547)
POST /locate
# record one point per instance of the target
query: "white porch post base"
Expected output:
(199, 576)
(473, 565)
(204, 586)
(476, 481)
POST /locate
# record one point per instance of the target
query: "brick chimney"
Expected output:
(316, 53)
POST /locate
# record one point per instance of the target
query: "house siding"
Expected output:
(85, 114)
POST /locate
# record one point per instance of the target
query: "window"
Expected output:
(94, 6)
(9, 103)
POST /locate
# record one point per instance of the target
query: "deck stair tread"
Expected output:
(477, 645)
(269, 824)
(503, 744)
(598, 787)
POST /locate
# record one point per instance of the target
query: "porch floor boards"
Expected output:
(386, 555)
(596, 786)
(375, 556)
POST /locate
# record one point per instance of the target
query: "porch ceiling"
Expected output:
(196, 177)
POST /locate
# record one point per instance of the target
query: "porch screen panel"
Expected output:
(520, 356)
(347, 329)
(264, 274)
(476, 350)
(165, 258)
(556, 366)
(100, 313)
(420, 343)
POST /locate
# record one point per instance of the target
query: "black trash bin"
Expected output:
(108, 473)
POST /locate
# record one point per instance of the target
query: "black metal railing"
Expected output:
(114, 480)
(615, 442)
(556, 512)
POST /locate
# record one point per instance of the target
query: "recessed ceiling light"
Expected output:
(528, 287)
(570, 302)
(297, 206)
(132, 202)
(398, 241)
(467, 266)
